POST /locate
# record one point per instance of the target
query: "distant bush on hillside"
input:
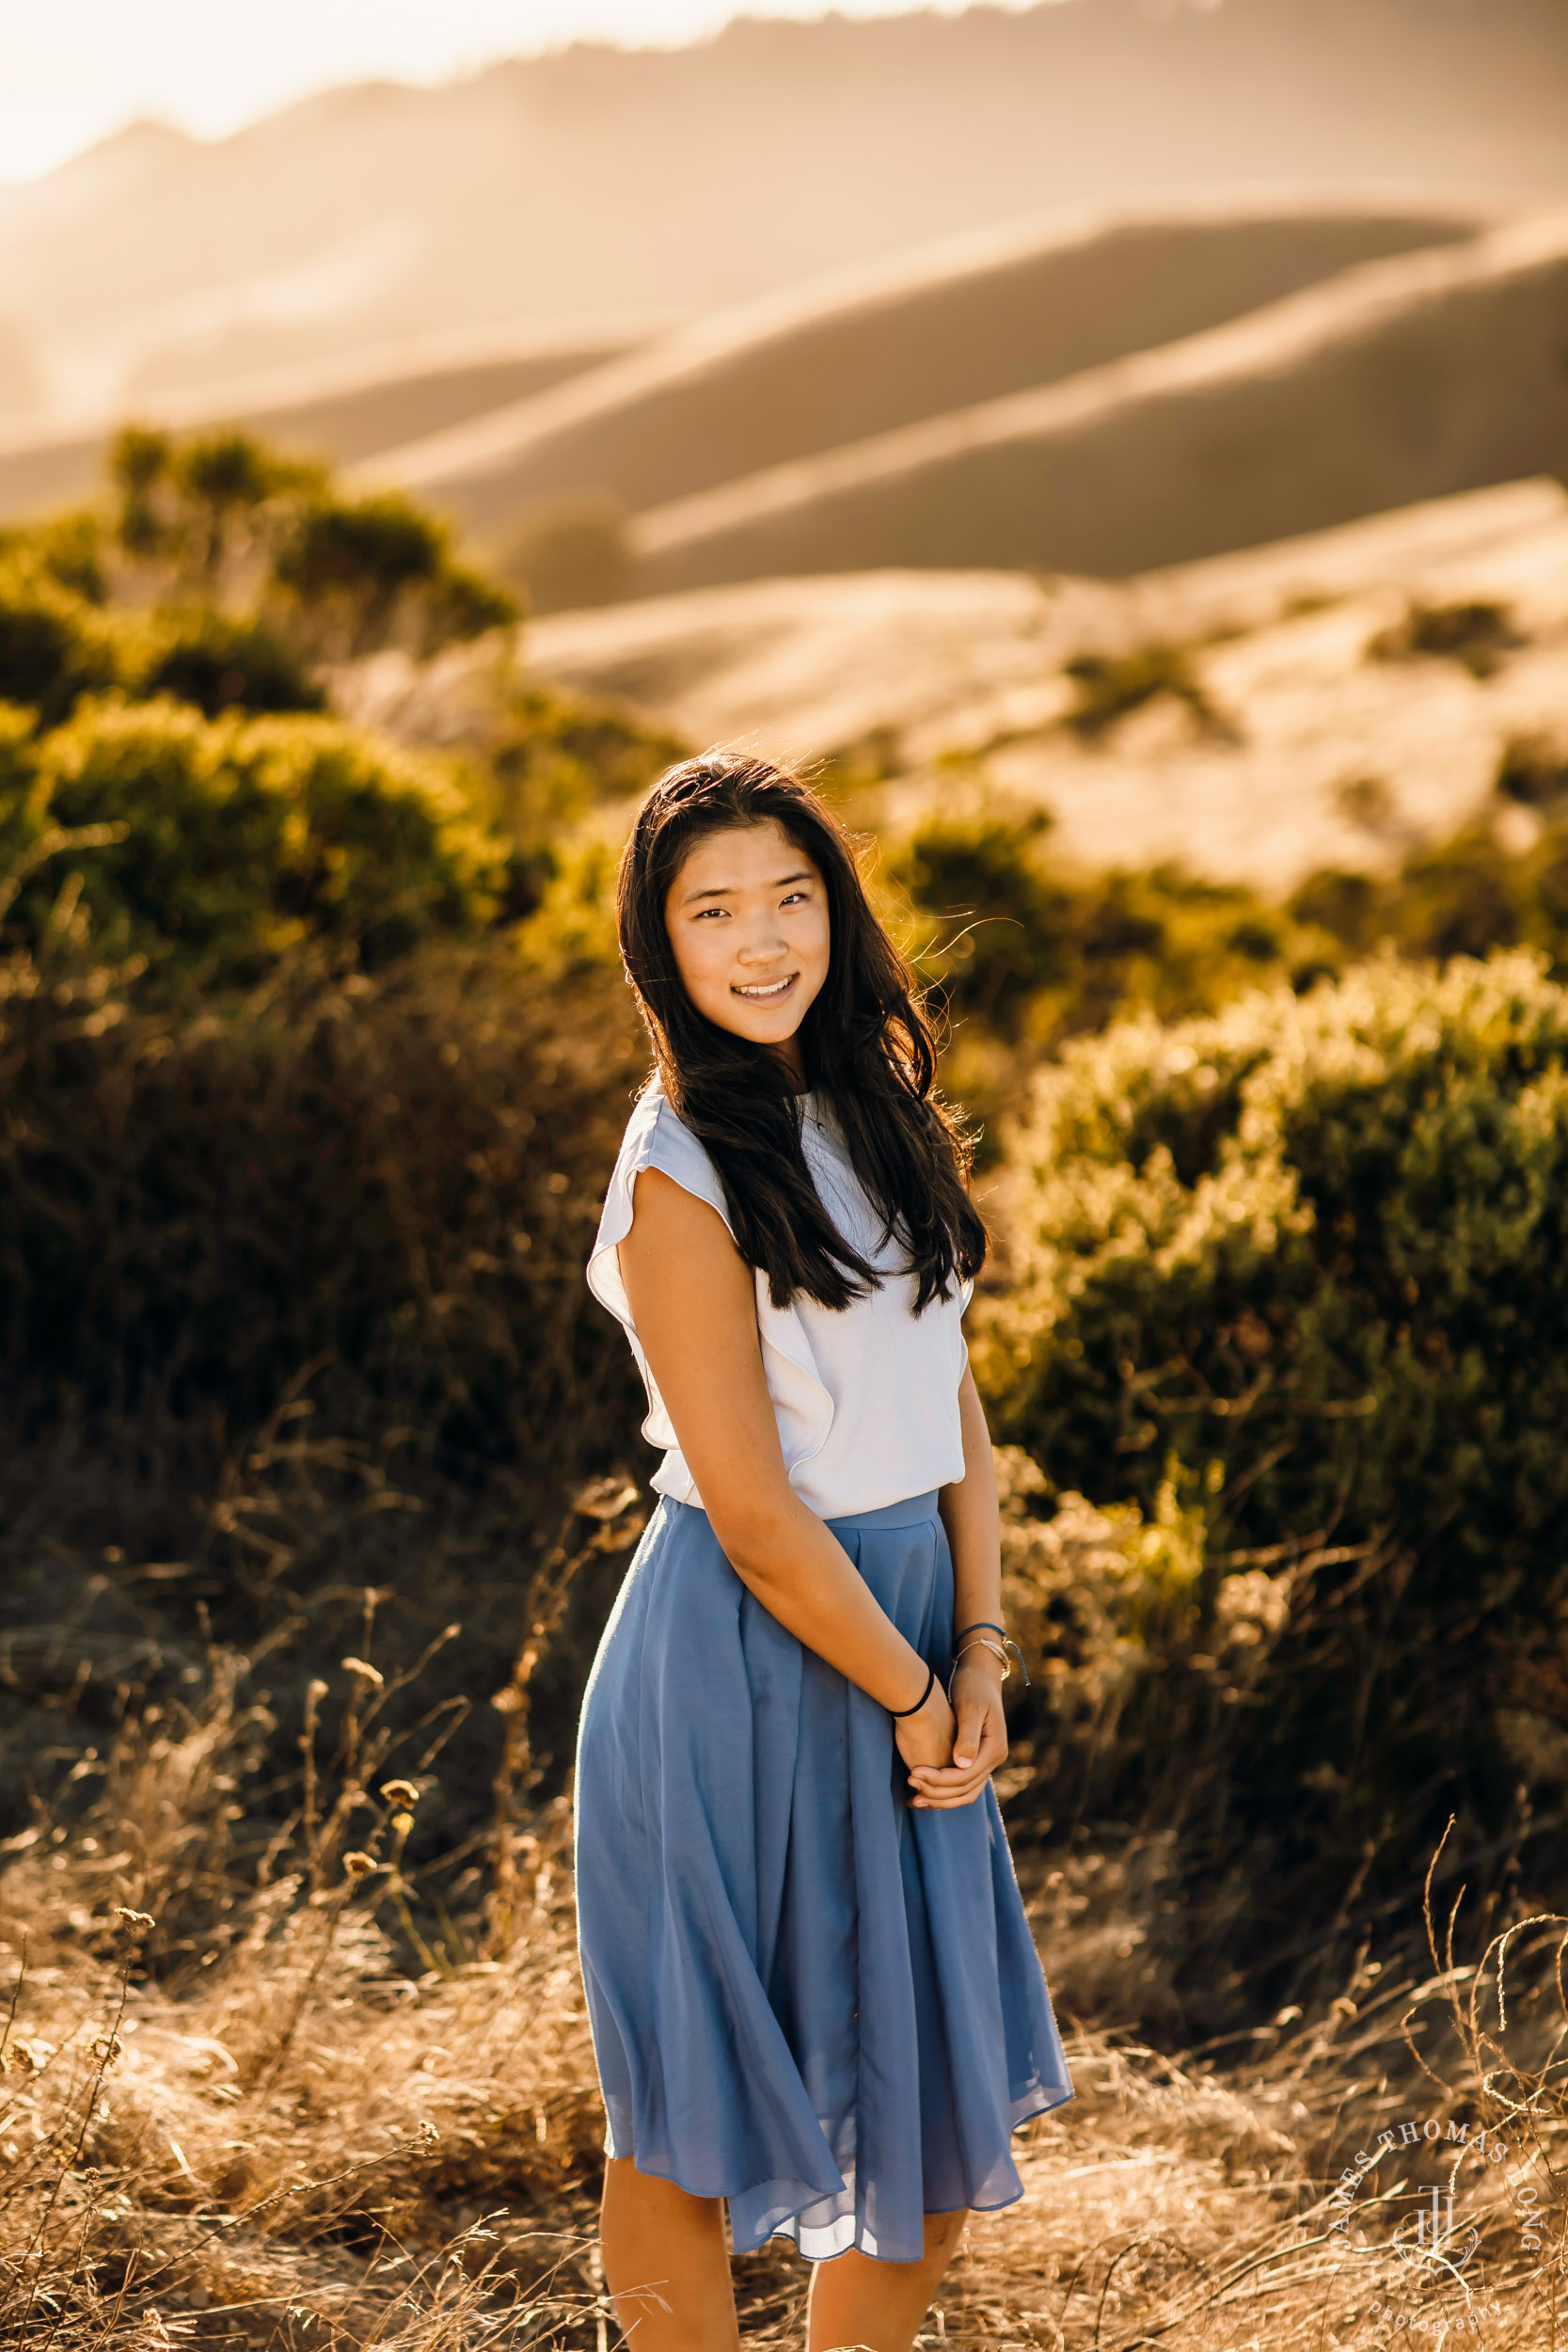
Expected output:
(221, 517)
(1111, 686)
(570, 552)
(1007, 939)
(1477, 891)
(1533, 771)
(362, 574)
(1477, 635)
(1019, 952)
(164, 667)
(1308, 1260)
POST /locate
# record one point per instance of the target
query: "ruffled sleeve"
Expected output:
(657, 1138)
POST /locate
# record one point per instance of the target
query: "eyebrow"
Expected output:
(727, 890)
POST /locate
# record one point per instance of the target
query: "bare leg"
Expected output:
(878, 2306)
(671, 2246)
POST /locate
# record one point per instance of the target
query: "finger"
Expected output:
(959, 1791)
(993, 1749)
(987, 1747)
(959, 1785)
(973, 1716)
(945, 1776)
(948, 1804)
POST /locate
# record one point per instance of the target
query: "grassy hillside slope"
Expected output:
(870, 350)
(336, 409)
(1403, 380)
(595, 180)
(1300, 750)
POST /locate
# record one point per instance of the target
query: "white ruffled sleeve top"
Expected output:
(866, 1397)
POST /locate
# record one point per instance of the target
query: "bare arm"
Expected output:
(969, 1514)
(693, 1300)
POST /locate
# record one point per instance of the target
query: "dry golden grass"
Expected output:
(289, 2140)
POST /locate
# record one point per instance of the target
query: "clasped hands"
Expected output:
(953, 1749)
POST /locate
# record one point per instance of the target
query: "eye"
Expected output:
(793, 898)
(702, 913)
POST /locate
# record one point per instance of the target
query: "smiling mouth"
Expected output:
(768, 992)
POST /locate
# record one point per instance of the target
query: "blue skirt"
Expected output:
(805, 1995)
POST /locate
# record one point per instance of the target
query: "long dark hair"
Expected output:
(865, 1043)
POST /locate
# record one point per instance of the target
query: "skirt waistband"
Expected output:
(915, 1511)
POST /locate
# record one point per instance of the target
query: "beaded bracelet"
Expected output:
(898, 1712)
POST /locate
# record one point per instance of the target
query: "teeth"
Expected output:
(761, 996)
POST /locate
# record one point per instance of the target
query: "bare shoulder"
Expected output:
(674, 1236)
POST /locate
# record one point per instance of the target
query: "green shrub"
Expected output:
(69, 547)
(1019, 952)
(291, 1292)
(556, 762)
(220, 519)
(194, 511)
(400, 1172)
(243, 836)
(1316, 1248)
(55, 644)
(366, 573)
(1466, 895)
(994, 926)
(219, 663)
(133, 649)
(571, 932)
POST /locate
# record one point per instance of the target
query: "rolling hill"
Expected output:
(337, 410)
(596, 181)
(954, 684)
(1404, 379)
(878, 348)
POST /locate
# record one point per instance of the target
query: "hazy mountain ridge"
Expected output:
(600, 181)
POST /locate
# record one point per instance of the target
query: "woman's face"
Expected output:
(748, 919)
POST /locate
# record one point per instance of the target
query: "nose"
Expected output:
(761, 940)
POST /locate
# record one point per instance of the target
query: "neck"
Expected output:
(794, 1061)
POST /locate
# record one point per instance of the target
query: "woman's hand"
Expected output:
(925, 1738)
(979, 1743)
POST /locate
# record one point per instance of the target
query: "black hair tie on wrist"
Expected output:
(898, 1712)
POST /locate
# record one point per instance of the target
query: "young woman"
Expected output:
(813, 1989)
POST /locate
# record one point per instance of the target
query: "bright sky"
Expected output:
(71, 71)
